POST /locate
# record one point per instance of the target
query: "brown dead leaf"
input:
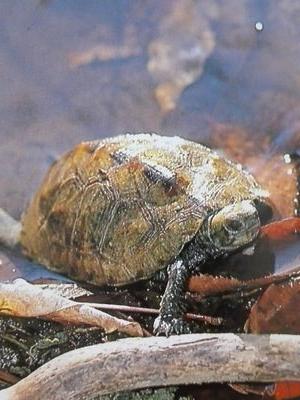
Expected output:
(286, 390)
(280, 231)
(276, 311)
(25, 300)
(208, 285)
(236, 142)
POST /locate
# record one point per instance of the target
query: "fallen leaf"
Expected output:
(276, 311)
(284, 390)
(25, 300)
(280, 231)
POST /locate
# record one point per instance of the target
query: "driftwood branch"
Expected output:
(134, 363)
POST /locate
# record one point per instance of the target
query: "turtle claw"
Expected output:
(167, 326)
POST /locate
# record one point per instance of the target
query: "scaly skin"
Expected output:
(245, 223)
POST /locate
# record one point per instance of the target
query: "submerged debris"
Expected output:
(178, 54)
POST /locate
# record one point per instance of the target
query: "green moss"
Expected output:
(169, 393)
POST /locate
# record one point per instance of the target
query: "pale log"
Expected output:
(133, 363)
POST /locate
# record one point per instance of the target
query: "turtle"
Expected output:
(116, 211)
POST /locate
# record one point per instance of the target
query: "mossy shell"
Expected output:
(117, 210)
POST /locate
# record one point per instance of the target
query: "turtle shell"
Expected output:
(117, 210)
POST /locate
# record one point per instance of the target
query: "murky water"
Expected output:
(224, 73)
(76, 70)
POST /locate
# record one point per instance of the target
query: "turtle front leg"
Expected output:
(172, 306)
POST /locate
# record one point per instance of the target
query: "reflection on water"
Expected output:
(73, 70)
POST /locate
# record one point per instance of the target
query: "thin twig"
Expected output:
(153, 311)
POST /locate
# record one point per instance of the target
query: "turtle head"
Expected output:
(234, 226)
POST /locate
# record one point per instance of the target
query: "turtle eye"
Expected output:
(234, 225)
